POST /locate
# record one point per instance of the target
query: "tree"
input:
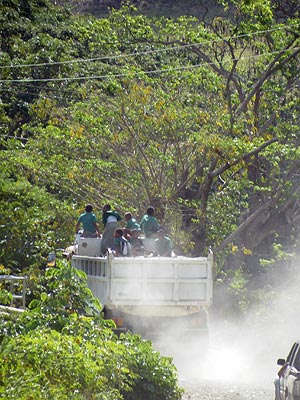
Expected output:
(205, 114)
(235, 137)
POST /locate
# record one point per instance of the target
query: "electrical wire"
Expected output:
(114, 57)
(86, 187)
(132, 74)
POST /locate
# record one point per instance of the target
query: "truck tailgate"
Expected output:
(159, 280)
(149, 281)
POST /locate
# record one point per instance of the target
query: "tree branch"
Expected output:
(242, 227)
(228, 165)
(275, 65)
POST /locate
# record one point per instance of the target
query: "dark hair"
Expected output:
(107, 207)
(88, 208)
(150, 210)
(119, 231)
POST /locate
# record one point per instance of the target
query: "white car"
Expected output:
(287, 384)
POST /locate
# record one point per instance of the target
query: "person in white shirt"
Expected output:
(122, 246)
(110, 220)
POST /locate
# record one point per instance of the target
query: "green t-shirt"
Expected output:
(88, 220)
(132, 224)
(149, 225)
(163, 247)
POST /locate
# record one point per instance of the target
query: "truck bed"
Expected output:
(148, 281)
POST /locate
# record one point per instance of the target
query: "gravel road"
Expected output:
(226, 380)
(240, 362)
(227, 375)
(239, 371)
(217, 390)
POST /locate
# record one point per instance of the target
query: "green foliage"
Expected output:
(60, 298)
(154, 376)
(61, 348)
(237, 288)
(31, 219)
(5, 296)
(46, 364)
(198, 118)
(63, 294)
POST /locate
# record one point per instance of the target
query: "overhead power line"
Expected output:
(135, 54)
(142, 72)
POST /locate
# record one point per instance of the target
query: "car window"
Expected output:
(296, 361)
(292, 352)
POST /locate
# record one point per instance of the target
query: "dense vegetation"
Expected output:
(61, 348)
(198, 116)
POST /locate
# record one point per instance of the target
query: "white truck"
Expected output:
(153, 296)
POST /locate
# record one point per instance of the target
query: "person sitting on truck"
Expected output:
(163, 245)
(149, 224)
(122, 246)
(110, 220)
(131, 223)
(89, 223)
(136, 242)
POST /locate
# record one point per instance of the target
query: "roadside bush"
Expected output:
(45, 364)
(62, 348)
(154, 377)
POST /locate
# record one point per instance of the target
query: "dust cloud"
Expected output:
(246, 350)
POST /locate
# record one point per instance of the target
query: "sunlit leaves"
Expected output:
(166, 110)
(61, 346)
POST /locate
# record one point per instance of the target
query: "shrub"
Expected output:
(61, 348)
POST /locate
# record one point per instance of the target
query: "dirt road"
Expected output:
(239, 363)
(227, 373)
(217, 390)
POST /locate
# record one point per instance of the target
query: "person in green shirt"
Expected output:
(163, 245)
(89, 223)
(149, 224)
(131, 224)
